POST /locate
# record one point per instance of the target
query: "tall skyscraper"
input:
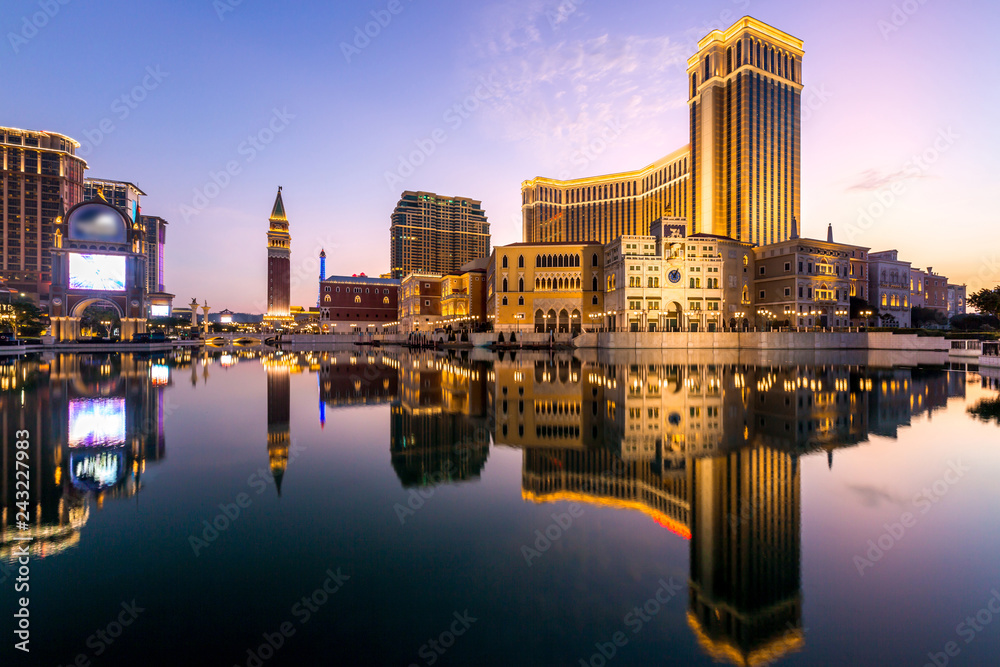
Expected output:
(38, 170)
(279, 250)
(738, 176)
(155, 229)
(434, 234)
(745, 87)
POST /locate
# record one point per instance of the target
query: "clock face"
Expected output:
(674, 276)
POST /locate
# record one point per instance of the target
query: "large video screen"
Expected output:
(159, 311)
(97, 272)
(96, 422)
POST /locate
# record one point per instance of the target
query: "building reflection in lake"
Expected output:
(94, 422)
(709, 450)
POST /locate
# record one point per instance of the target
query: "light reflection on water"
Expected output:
(708, 449)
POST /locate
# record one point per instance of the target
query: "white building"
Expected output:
(889, 288)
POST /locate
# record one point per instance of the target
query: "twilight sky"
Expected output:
(172, 95)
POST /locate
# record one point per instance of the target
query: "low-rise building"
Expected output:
(463, 295)
(351, 304)
(420, 302)
(918, 285)
(956, 300)
(805, 282)
(539, 287)
(936, 291)
(889, 287)
(669, 281)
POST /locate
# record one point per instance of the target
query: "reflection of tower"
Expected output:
(279, 244)
(745, 603)
(277, 420)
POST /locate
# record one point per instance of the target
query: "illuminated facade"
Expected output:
(956, 300)
(40, 175)
(602, 208)
(350, 304)
(463, 295)
(540, 287)
(434, 234)
(420, 302)
(745, 87)
(279, 250)
(806, 282)
(668, 281)
(889, 288)
(738, 177)
(155, 229)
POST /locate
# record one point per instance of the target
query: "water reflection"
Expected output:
(707, 448)
(95, 421)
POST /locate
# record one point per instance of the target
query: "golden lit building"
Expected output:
(739, 176)
(463, 295)
(540, 287)
(745, 89)
(40, 176)
(806, 282)
(420, 302)
(431, 233)
(602, 208)
(668, 281)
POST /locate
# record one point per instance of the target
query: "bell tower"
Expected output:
(279, 250)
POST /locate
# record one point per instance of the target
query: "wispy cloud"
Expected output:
(878, 179)
(557, 89)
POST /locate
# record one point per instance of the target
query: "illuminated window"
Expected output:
(357, 299)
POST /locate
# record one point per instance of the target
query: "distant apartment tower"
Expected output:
(433, 234)
(156, 237)
(738, 177)
(40, 175)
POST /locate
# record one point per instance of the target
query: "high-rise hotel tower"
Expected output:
(431, 233)
(740, 174)
(279, 250)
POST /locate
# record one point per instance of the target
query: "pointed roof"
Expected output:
(795, 228)
(829, 233)
(278, 212)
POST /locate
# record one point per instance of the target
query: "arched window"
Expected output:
(520, 262)
(538, 283)
(593, 260)
(520, 284)
(504, 301)
(504, 283)
(504, 264)
(385, 300)
(538, 260)
(326, 299)
(593, 286)
(520, 300)
(357, 299)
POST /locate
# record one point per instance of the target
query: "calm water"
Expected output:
(379, 507)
